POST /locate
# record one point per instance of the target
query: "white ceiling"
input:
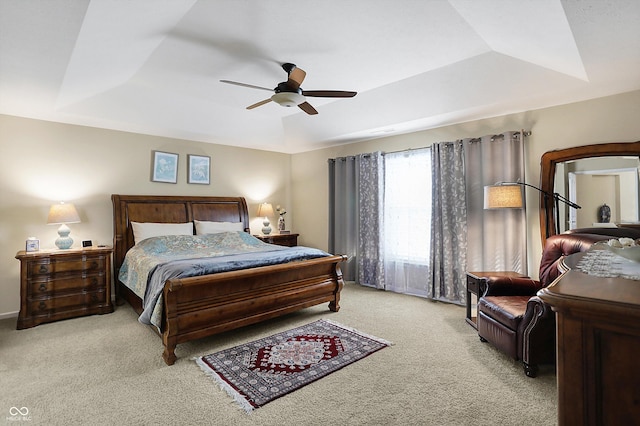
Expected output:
(154, 66)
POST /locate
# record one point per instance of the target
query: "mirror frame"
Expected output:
(548, 171)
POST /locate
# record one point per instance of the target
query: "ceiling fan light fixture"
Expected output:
(288, 99)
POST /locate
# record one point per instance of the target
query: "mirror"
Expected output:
(579, 164)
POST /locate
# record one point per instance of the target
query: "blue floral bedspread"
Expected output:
(153, 261)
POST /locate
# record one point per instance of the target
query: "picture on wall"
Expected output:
(164, 167)
(198, 169)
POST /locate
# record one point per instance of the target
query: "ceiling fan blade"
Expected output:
(257, 104)
(306, 107)
(296, 76)
(329, 93)
(245, 85)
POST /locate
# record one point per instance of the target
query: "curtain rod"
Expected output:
(472, 140)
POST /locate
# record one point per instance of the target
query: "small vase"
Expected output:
(281, 225)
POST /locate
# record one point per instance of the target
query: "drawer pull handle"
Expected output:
(42, 306)
(43, 269)
(94, 281)
(94, 297)
(43, 287)
(94, 264)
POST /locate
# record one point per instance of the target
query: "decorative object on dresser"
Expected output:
(288, 240)
(598, 341)
(57, 285)
(193, 307)
(258, 372)
(265, 210)
(61, 214)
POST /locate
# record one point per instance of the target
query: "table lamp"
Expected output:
(265, 210)
(62, 214)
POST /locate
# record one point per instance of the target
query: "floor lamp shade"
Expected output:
(503, 197)
(62, 214)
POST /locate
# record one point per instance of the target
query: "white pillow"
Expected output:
(142, 231)
(203, 227)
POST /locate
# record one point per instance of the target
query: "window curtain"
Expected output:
(356, 216)
(365, 207)
(465, 237)
(497, 239)
(448, 223)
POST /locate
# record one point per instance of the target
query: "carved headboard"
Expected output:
(169, 209)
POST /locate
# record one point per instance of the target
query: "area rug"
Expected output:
(258, 372)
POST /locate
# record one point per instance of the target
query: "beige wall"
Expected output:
(44, 162)
(609, 119)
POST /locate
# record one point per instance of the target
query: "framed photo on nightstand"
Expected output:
(33, 244)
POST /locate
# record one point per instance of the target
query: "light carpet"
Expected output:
(108, 370)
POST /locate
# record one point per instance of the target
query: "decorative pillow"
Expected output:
(142, 231)
(203, 227)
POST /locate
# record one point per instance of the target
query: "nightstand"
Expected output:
(476, 284)
(61, 284)
(288, 240)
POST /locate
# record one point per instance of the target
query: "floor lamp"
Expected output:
(505, 195)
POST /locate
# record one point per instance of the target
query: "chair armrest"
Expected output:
(507, 286)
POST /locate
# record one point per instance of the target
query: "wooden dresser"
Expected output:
(60, 284)
(598, 342)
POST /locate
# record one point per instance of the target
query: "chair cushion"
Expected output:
(507, 310)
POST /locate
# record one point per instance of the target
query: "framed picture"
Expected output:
(164, 167)
(199, 167)
(33, 244)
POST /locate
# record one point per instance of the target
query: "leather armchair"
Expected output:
(514, 319)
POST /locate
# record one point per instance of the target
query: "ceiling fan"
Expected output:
(290, 94)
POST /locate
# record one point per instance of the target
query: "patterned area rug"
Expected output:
(259, 372)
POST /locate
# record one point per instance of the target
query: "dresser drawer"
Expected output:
(43, 287)
(75, 264)
(59, 303)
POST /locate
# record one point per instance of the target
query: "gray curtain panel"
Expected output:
(355, 215)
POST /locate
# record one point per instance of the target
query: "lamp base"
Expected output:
(64, 241)
(266, 229)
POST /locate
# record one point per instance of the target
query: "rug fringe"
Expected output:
(369, 336)
(237, 397)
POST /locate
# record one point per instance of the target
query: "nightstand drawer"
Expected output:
(79, 264)
(46, 287)
(61, 303)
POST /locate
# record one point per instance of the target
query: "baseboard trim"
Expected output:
(8, 315)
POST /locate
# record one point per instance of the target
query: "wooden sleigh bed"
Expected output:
(205, 305)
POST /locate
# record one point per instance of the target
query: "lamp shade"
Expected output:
(63, 213)
(503, 197)
(265, 210)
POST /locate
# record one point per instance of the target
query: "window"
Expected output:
(407, 211)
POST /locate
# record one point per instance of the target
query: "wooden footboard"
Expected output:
(197, 307)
